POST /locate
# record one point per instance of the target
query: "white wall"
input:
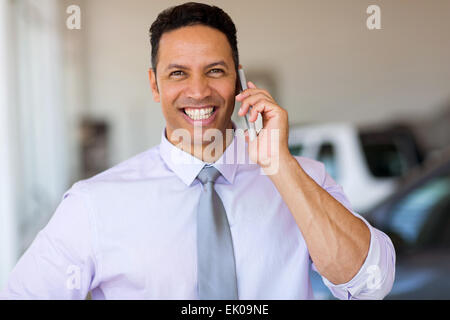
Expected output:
(327, 65)
(38, 95)
(42, 129)
(8, 221)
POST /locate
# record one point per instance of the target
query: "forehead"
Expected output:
(193, 44)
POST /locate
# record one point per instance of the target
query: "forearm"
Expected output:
(344, 249)
(338, 242)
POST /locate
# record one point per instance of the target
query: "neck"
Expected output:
(208, 151)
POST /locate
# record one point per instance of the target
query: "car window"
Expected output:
(384, 160)
(296, 150)
(420, 207)
(443, 237)
(327, 156)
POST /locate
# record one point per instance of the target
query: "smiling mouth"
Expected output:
(200, 113)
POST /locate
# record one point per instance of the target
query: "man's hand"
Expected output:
(271, 143)
(338, 242)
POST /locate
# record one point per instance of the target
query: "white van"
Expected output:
(366, 164)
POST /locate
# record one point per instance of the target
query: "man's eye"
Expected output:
(177, 73)
(217, 71)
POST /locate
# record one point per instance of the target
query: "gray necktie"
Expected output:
(216, 269)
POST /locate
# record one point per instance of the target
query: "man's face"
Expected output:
(195, 79)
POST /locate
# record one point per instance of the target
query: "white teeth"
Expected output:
(199, 113)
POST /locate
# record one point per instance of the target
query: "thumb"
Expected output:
(247, 139)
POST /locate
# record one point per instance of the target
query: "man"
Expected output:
(185, 220)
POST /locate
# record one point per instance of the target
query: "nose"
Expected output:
(198, 87)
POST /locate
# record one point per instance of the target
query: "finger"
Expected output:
(252, 91)
(251, 85)
(249, 92)
(264, 107)
(255, 111)
(250, 101)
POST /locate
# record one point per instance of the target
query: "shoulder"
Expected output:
(315, 169)
(143, 166)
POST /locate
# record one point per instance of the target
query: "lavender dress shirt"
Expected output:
(130, 233)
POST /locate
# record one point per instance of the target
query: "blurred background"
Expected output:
(373, 105)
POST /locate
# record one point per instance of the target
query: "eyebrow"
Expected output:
(179, 66)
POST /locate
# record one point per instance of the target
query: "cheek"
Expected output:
(227, 90)
(168, 96)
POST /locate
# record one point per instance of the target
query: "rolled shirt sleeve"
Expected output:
(60, 263)
(376, 276)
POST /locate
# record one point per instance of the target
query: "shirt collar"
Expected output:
(187, 167)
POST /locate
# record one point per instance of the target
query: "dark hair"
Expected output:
(189, 14)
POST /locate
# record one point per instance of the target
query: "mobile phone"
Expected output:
(250, 125)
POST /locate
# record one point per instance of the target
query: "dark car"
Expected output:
(417, 219)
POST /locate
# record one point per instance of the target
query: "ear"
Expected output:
(154, 85)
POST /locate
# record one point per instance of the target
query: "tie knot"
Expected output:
(208, 174)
